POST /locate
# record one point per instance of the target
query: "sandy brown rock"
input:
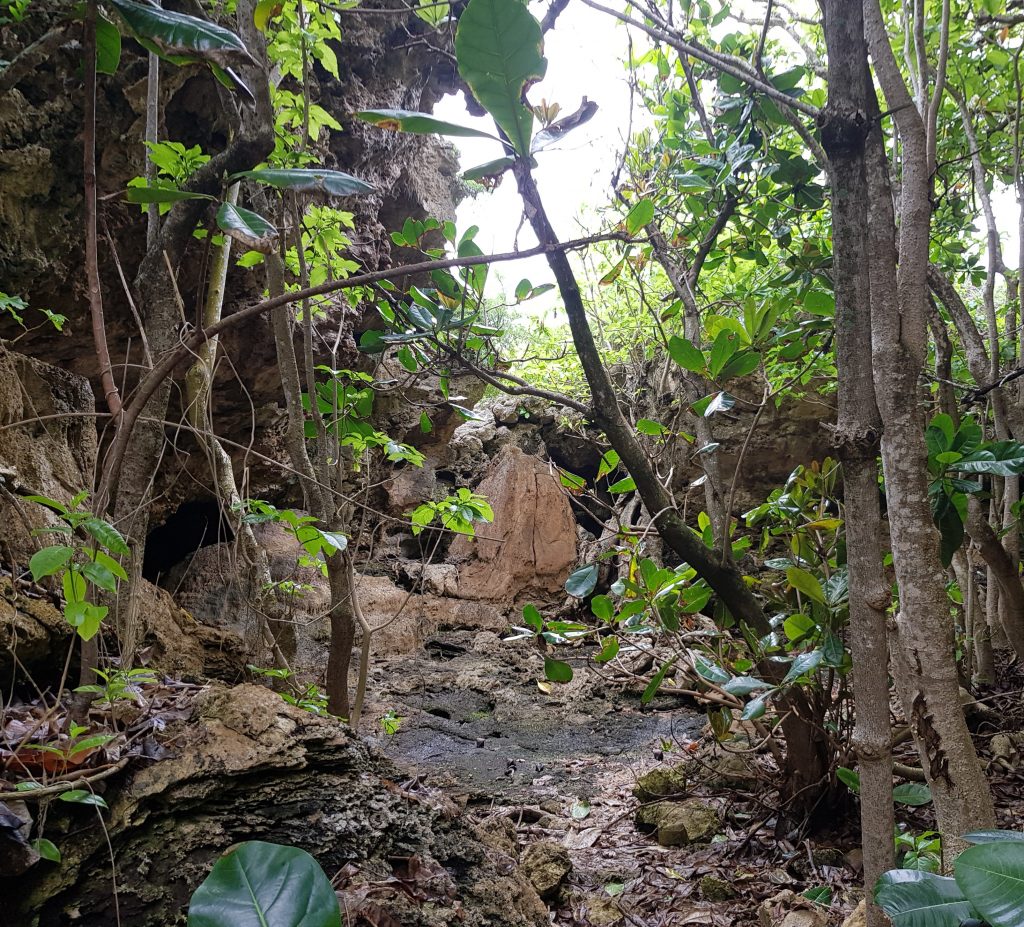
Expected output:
(858, 917)
(530, 549)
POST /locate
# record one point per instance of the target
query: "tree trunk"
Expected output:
(844, 127)
(927, 676)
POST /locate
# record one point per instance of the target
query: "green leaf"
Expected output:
(914, 898)
(722, 351)
(108, 56)
(100, 576)
(158, 194)
(712, 672)
(602, 607)
(498, 47)
(640, 215)
(803, 664)
(994, 836)
(849, 778)
(656, 680)
(49, 560)
(47, 849)
(107, 535)
(1000, 458)
(581, 582)
(740, 365)
(991, 875)
(426, 425)
(686, 355)
(755, 708)
(557, 671)
(914, 794)
(82, 797)
(494, 168)
(609, 650)
(806, 583)
(628, 484)
(248, 228)
(532, 618)
(647, 426)
(176, 35)
(404, 120)
(744, 685)
(309, 180)
(257, 884)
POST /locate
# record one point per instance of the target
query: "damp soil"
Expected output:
(480, 721)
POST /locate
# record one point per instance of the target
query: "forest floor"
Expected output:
(555, 774)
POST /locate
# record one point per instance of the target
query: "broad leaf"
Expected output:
(992, 876)
(404, 120)
(640, 215)
(248, 228)
(913, 898)
(49, 560)
(686, 355)
(803, 664)
(581, 582)
(108, 52)
(806, 583)
(309, 180)
(498, 46)
(177, 35)
(994, 836)
(912, 793)
(557, 671)
(107, 535)
(257, 884)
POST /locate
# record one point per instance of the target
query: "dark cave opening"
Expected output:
(195, 524)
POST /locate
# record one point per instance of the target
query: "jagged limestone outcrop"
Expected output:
(248, 766)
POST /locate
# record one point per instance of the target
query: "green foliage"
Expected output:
(956, 450)
(257, 884)
(456, 512)
(498, 46)
(987, 883)
(86, 562)
(317, 544)
(118, 685)
(14, 306)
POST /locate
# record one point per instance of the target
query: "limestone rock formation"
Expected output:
(248, 766)
(530, 549)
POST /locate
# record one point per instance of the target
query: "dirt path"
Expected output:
(479, 720)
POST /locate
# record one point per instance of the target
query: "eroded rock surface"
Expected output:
(248, 766)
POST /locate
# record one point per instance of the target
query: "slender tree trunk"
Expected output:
(927, 676)
(844, 126)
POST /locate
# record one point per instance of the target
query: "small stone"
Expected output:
(602, 911)
(546, 866)
(480, 742)
(686, 822)
(661, 782)
(715, 889)
(551, 806)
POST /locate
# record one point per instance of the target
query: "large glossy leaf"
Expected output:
(499, 51)
(404, 120)
(1001, 458)
(108, 46)
(248, 228)
(259, 884)
(913, 898)
(177, 35)
(994, 836)
(309, 180)
(992, 876)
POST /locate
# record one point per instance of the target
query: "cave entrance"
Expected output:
(195, 524)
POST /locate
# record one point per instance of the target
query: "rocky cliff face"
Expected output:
(384, 62)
